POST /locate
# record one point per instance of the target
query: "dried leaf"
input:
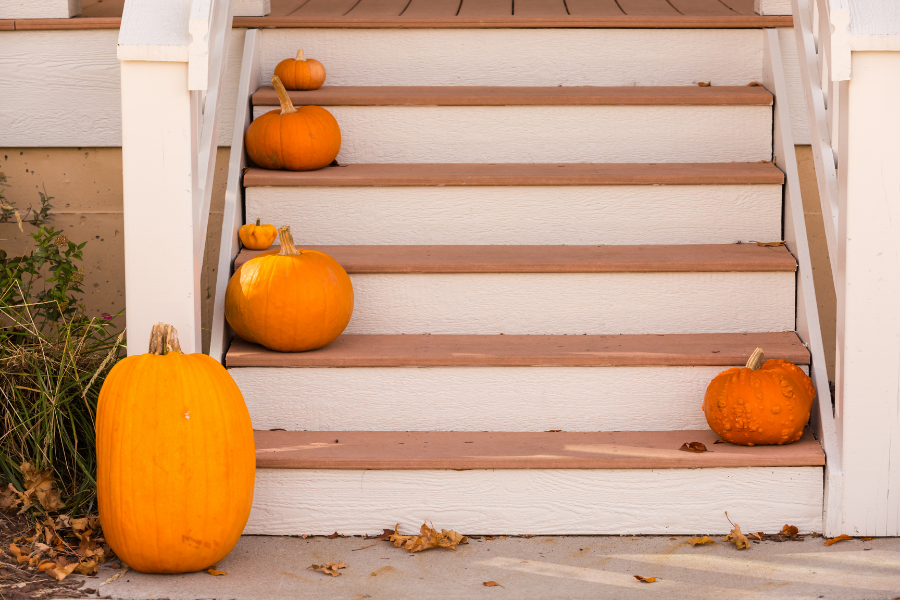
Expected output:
(837, 539)
(491, 584)
(335, 535)
(739, 539)
(41, 485)
(789, 530)
(694, 447)
(386, 536)
(428, 538)
(115, 577)
(87, 568)
(645, 579)
(720, 442)
(58, 570)
(212, 571)
(329, 568)
(704, 83)
(769, 244)
(866, 539)
(699, 541)
(754, 83)
(758, 535)
(10, 497)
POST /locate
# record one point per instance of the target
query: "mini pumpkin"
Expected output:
(301, 73)
(296, 139)
(289, 300)
(760, 404)
(175, 459)
(257, 237)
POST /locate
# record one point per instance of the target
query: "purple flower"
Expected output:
(106, 316)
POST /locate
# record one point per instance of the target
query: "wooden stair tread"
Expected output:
(352, 95)
(716, 349)
(519, 174)
(397, 450)
(552, 259)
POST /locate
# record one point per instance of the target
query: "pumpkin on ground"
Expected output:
(760, 404)
(257, 237)
(296, 139)
(175, 459)
(289, 300)
(301, 73)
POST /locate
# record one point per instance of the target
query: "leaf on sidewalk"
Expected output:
(739, 539)
(769, 244)
(329, 568)
(789, 530)
(694, 447)
(837, 539)
(428, 538)
(645, 579)
(699, 541)
(491, 584)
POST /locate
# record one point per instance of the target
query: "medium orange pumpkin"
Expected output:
(760, 405)
(175, 459)
(296, 139)
(290, 300)
(301, 73)
(257, 237)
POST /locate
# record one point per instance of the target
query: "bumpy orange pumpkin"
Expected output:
(291, 300)
(759, 405)
(301, 73)
(296, 139)
(257, 237)
(175, 459)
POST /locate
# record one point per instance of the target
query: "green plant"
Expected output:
(53, 359)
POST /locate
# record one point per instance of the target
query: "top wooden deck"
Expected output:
(443, 14)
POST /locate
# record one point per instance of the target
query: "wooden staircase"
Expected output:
(546, 280)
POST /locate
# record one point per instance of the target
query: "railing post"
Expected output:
(159, 160)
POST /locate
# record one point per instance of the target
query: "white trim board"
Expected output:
(39, 9)
(573, 303)
(252, 8)
(772, 7)
(550, 134)
(655, 398)
(628, 214)
(536, 502)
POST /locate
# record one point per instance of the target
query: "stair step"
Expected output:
(405, 450)
(527, 174)
(527, 350)
(522, 96)
(708, 258)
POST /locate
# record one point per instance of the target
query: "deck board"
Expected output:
(594, 8)
(648, 8)
(481, 9)
(432, 9)
(540, 8)
(514, 450)
(377, 9)
(702, 8)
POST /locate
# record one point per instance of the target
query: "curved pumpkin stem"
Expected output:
(756, 359)
(287, 106)
(164, 339)
(287, 242)
(300, 55)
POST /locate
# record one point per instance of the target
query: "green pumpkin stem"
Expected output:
(164, 339)
(287, 242)
(756, 359)
(300, 55)
(287, 106)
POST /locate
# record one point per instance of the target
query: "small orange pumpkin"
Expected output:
(760, 405)
(257, 237)
(175, 459)
(290, 300)
(301, 73)
(296, 139)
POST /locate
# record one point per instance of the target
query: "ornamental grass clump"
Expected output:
(53, 360)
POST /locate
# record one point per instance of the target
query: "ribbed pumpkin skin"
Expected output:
(306, 74)
(175, 462)
(299, 141)
(769, 405)
(289, 303)
(257, 237)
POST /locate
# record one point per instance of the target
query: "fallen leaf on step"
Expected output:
(720, 442)
(769, 244)
(739, 539)
(757, 535)
(693, 447)
(492, 584)
(428, 538)
(699, 541)
(212, 571)
(329, 568)
(645, 579)
(754, 83)
(386, 536)
(704, 83)
(789, 530)
(335, 535)
(837, 539)
(57, 570)
(866, 539)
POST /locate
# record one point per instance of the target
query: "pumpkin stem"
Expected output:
(257, 222)
(756, 359)
(164, 339)
(300, 55)
(287, 242)
(286, 105)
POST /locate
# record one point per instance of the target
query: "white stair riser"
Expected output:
(635, 214)
(533, 502)
(551, 134)
(522, 57)
(573, 303)
(657, 398)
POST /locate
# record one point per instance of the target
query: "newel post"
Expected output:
(159, 158)
(867, 409)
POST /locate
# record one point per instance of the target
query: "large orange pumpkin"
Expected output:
(759, 405)
(296, 139)
(301, 73)
(290, 300)
(175, 459)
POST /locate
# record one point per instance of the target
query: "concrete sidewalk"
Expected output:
(568, 567)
